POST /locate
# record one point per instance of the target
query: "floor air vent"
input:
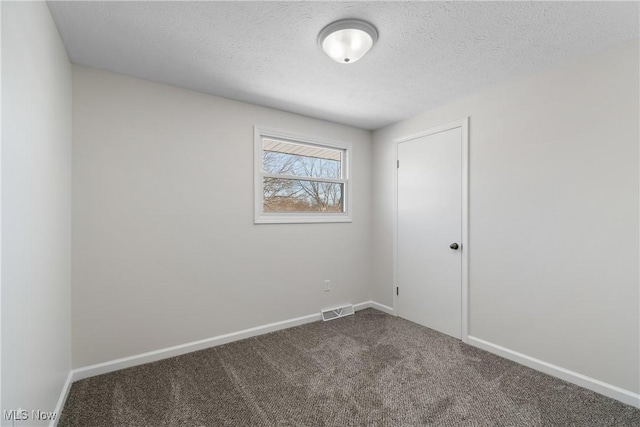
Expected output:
(334, 313)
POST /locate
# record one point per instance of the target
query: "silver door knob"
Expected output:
(454, 246)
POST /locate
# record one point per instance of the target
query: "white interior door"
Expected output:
(430, 219)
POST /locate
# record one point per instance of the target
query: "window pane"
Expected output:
(285, 158)
(295, 195)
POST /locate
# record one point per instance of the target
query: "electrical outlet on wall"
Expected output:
(327, 285)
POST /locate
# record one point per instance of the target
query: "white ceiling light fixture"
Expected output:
(347, 40)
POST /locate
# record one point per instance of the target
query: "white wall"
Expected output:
(165, 250)
(36, 209)
(164, 247)
(553, 214)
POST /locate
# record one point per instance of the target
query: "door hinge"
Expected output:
(398, 164)
(397, 291)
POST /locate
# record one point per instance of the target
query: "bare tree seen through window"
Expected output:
(290, 192)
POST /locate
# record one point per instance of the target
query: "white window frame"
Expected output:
(261, 217)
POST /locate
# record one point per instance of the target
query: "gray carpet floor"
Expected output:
(370, 369)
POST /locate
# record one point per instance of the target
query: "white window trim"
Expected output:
(261, 217)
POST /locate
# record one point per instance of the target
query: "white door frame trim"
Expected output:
(463, 124)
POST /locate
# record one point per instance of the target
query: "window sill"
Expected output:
(300, 218)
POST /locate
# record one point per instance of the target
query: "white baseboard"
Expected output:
(373, 304)
(177, 350)
(62, 399)
(164, 353)
(612, 391)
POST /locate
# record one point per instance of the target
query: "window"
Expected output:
(300, 179)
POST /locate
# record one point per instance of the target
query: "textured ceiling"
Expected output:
(266, 53)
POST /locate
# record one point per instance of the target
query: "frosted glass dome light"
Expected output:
(348, 40)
